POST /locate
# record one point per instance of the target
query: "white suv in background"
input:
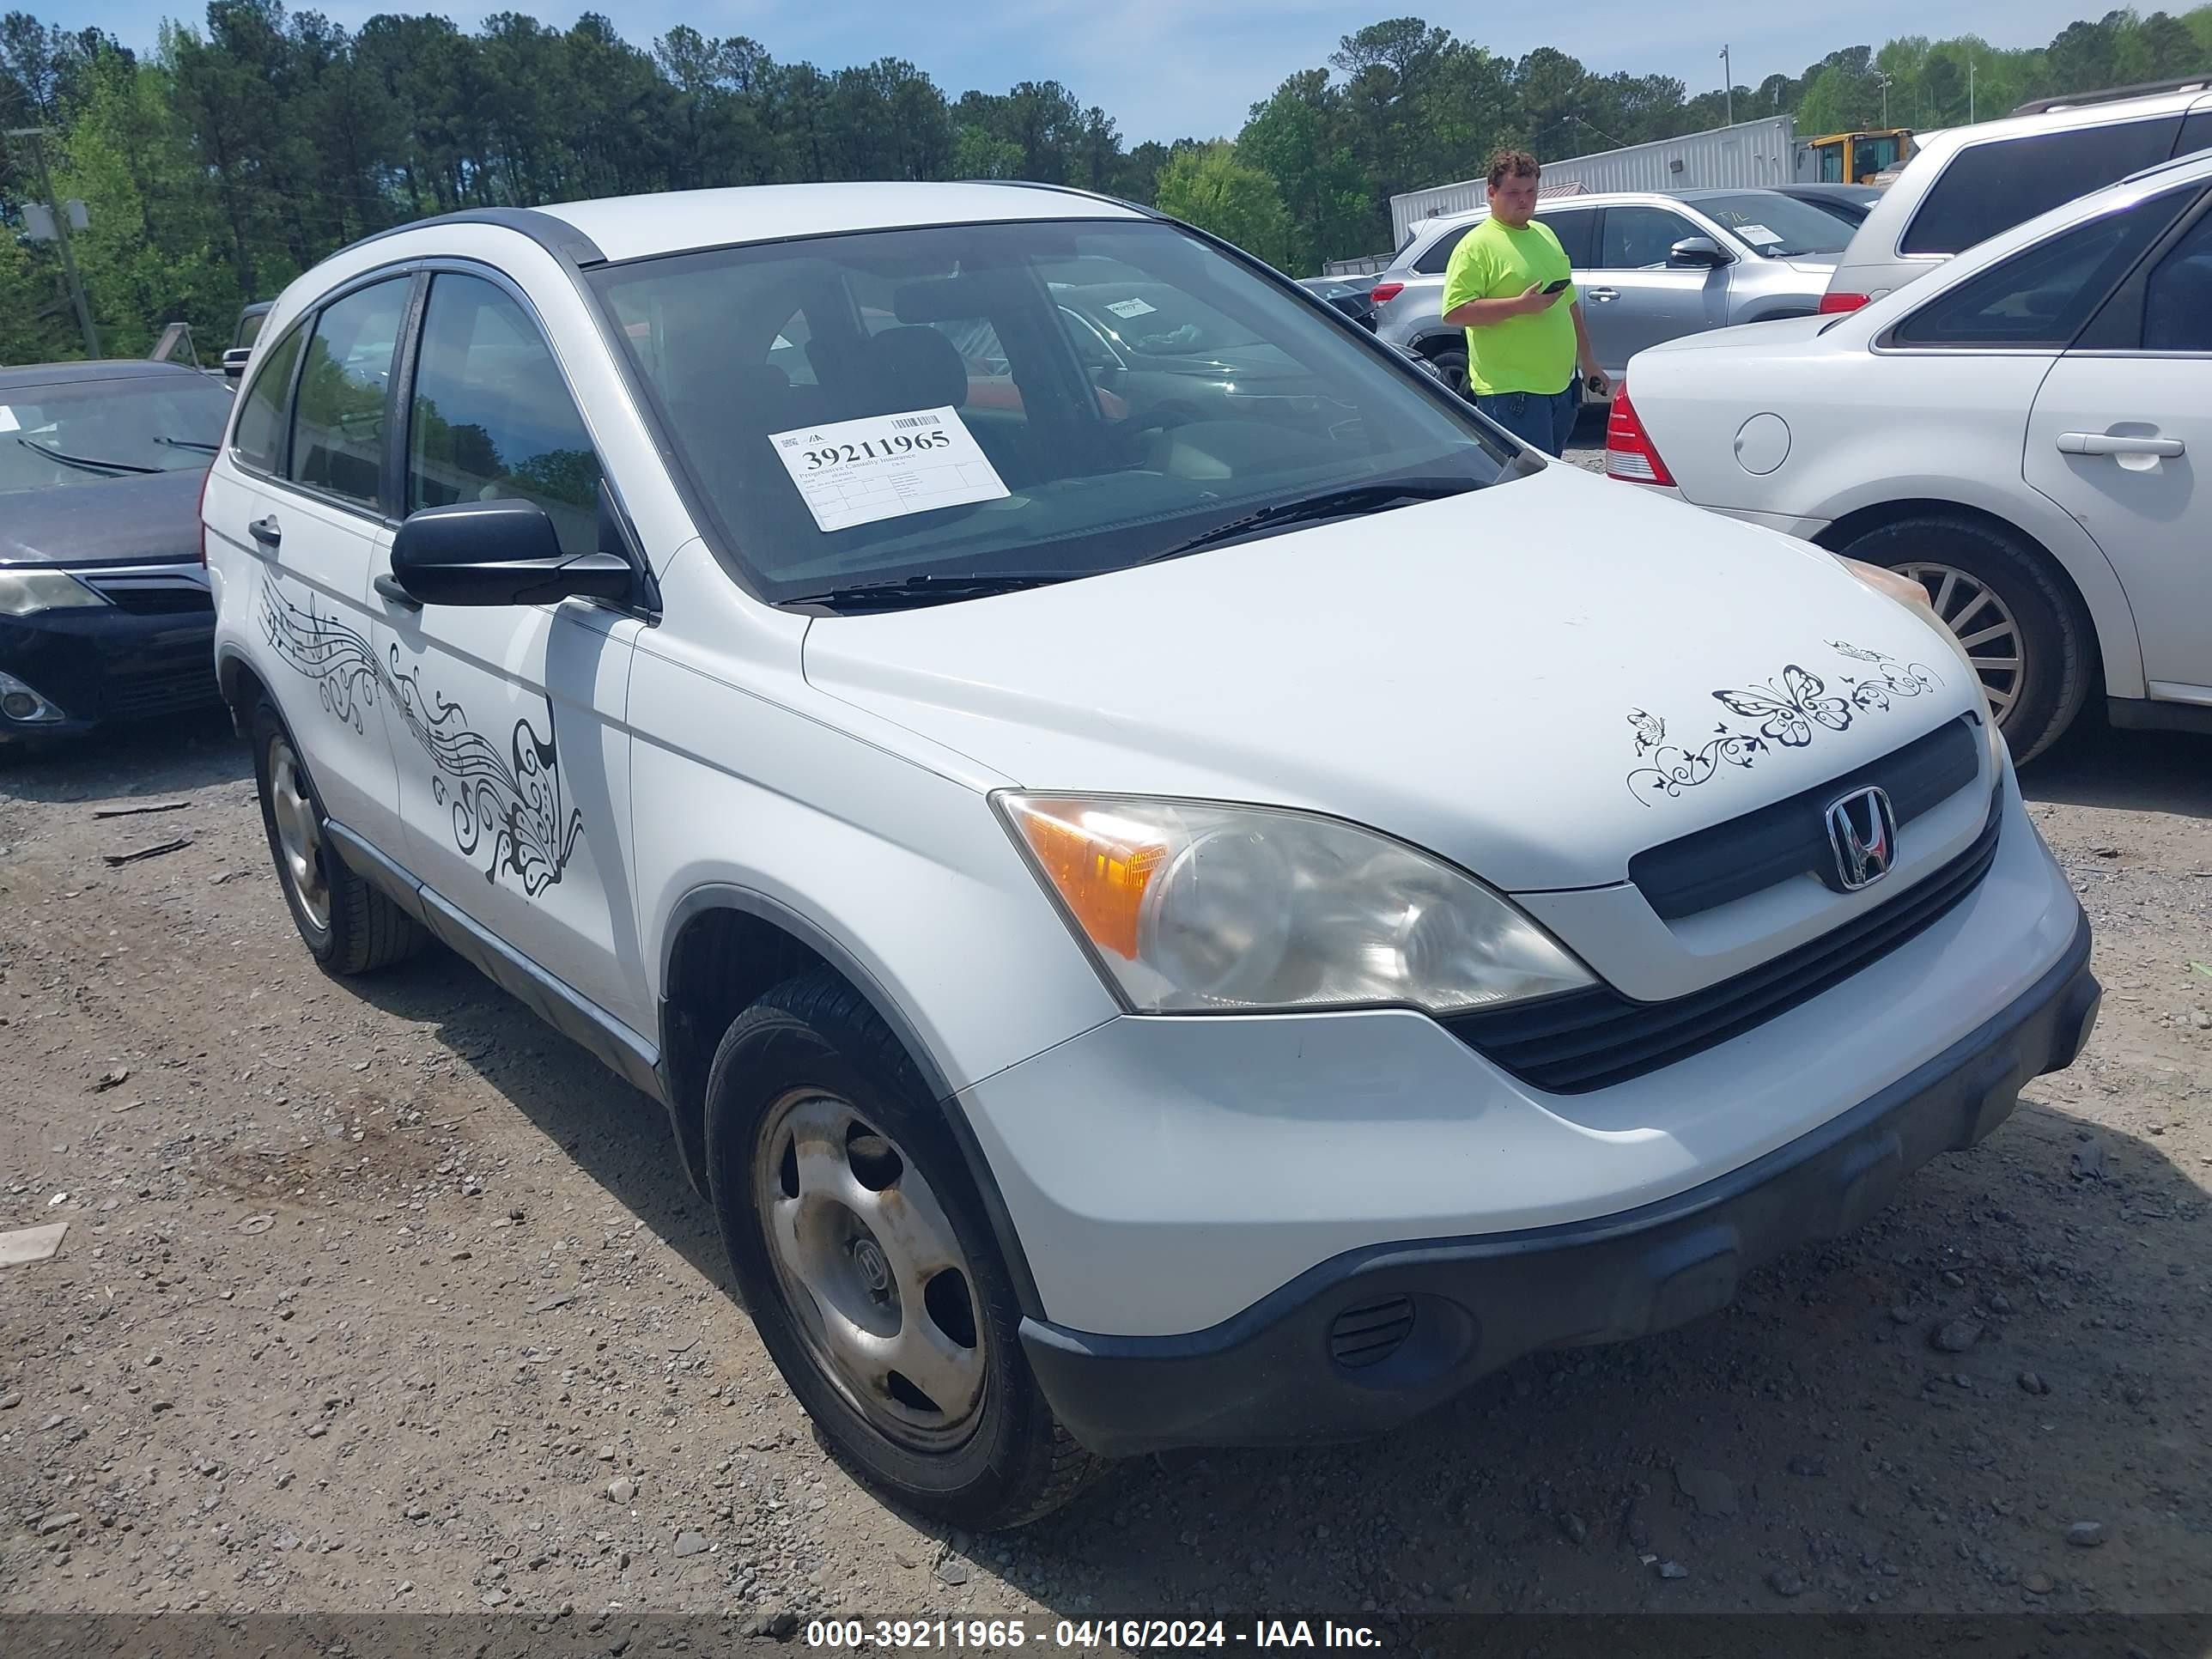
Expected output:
(2025, 432)
(1965, 185)
(1156, 923)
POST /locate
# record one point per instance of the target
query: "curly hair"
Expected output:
(1512, 164)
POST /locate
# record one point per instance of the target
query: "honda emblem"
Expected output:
(1862, 831)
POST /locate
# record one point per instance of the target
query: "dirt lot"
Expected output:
(385, 1296)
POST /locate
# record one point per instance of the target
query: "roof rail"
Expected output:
(2112, 94)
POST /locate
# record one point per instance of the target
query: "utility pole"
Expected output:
(1970, 89)
(61, 236)
(1884, 79)
(1728, 90)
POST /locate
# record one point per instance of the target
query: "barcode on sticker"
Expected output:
(913, 420)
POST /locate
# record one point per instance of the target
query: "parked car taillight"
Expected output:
(1629, 455)
(1830, 302)
(1385, 292)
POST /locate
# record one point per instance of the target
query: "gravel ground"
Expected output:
(385, 1296)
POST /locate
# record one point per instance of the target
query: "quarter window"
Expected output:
(492, 418)
(337, 421)
(1432, 263)
(1992, 187)
(258, 442)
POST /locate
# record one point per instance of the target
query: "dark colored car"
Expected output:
(105, 613)
(240, 350)
(1849, 202)
(1355, 300)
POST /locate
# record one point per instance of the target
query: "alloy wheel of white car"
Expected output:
(868, 1261)
(1984, 624)
(299, 834)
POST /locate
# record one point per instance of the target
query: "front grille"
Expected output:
(170, 690)
(1787, 838)
(1594, 1038)
(156, 591)
(1368, 1335)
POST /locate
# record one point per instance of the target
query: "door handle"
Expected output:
(266, 531)
(1602, 295)
(390, 589)
(2111, 443)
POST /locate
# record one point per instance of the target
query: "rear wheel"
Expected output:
(865, 1259)
(347, 927)
(2023, 630)
(1451, 363)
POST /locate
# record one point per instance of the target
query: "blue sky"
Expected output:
(1167, 68)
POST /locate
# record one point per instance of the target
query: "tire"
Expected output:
(810, 1065)
(1982, 578)
(1451, 361)
(347, 926)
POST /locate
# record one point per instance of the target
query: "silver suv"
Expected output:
(1649, 267)
(1964, 186)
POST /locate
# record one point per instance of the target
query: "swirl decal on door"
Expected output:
(513, 800)
(1789, 710)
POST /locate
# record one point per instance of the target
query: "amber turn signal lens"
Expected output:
(1099, 865)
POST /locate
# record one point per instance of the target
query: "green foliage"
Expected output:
(253, 144)
(1211, 188)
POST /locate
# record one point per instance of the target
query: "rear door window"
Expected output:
(2041, 296)
(258, 441)
(2177, 298)
(2195, 132)
(337, 420)
(1572, 226)
(1992, 187)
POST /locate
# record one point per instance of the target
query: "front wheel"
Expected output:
(863, 1256)
(2025, 632)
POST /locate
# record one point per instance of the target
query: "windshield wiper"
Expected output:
(188, 443)
(929, 588)
(89, 465)
(1346, 502)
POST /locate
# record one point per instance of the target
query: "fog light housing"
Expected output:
(23, 706)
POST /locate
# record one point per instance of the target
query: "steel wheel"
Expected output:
(1985, 625)
(872, 1271)
(299, 834)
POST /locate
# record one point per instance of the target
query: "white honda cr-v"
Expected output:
(1176, 887)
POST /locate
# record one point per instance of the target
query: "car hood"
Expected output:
(1535, 680)
(137, 520)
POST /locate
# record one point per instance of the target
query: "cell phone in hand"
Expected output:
(1559, 287)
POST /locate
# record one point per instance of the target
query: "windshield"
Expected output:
(82, 431)
(1779, 227)
(946, 402)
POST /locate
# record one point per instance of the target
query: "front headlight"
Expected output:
(23, 591)
(1191, 906)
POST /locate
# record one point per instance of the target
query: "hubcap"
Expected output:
(299, 835)
(1985, 625)
(872, 1271)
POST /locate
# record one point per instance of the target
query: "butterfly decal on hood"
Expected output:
(1789, 709)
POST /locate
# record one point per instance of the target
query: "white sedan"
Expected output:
(2019, 431)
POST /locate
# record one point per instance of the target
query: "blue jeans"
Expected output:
(1541, 420)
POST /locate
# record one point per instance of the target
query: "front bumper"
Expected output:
(101, 663)
(1376, 1335)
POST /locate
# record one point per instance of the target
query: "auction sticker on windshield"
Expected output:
(1757, 236)
(887, 467)
(1129, 307)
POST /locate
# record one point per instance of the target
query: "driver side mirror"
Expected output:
(499, 552)
(1697, 252)
(234, 361)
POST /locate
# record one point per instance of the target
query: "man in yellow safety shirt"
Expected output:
(1509, 287)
